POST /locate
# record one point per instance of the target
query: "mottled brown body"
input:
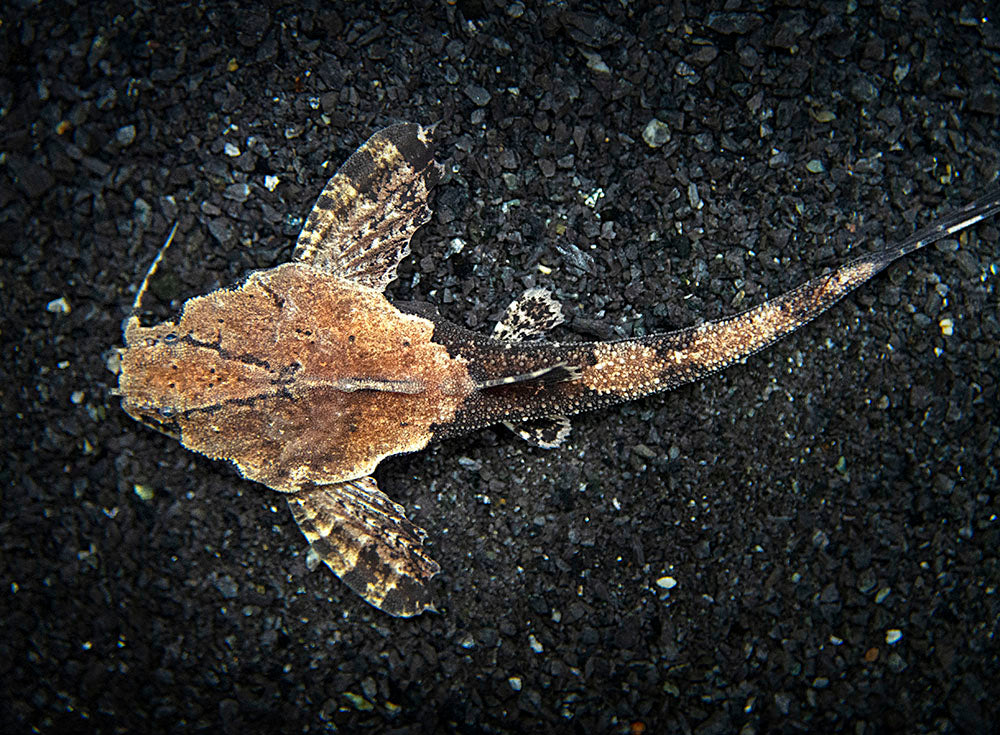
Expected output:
(306, 377)
(296, 376)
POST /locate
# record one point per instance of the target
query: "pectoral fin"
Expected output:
(367, 541)
(547, 433)
(531, 314)
(361, 226)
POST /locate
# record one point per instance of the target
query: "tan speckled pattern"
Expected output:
(306, 377)
(257, 375)
(624, 368)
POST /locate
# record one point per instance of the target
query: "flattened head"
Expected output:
(149, 382)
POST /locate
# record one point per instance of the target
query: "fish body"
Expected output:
(306, 377)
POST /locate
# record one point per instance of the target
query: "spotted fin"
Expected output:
(547, 433)
(361, 225)
(531, 314)
(367, 541)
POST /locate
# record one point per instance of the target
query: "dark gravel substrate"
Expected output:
(805, 506)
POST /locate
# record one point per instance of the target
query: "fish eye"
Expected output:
(170, 338)
(166, 412)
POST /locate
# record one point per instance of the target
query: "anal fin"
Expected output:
(530, 315)
(365, 539)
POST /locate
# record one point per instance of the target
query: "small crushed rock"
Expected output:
(662, 571)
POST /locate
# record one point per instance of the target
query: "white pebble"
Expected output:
(58, 306)
(656, 133)
(667, 583)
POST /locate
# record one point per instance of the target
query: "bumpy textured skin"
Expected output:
(306, 377)
(612, 372)
(297, 376)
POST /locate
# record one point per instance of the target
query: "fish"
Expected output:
(305, 376)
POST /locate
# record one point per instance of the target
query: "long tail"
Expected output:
(670, 359)
(605, 373)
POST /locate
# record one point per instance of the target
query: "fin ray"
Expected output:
(362, 223)
(559, 373)
(367, 541)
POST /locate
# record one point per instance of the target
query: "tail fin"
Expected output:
(953, 222)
